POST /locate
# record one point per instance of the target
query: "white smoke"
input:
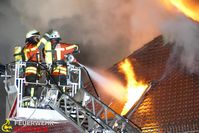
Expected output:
(176, 29)
(102, 28)
(39, 14)
(184, 33)
(106, 30)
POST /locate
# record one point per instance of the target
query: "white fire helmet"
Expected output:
(32, 33)
(54, 35)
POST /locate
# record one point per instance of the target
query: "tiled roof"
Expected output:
(173, 105)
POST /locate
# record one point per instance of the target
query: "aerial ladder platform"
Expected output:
(62, 102)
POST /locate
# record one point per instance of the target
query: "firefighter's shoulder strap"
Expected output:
(41, 45)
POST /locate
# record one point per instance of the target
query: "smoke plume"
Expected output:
(101, 28)
(105, 30)
(184, 33)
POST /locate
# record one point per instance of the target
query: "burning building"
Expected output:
(158, 95)
(169, 106)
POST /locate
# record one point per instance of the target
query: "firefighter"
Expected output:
(31, 57)
(57, 57)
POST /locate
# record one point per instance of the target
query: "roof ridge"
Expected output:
(150, 43)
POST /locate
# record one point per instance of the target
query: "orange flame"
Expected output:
(187, 7)
(134, 88)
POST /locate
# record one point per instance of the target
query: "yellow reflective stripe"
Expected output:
(31, 70)
(71, 47)
(32, 92)
(48, 53)
(30, 67)
(60, 69)
(26, 50)
(25, 53)
(26, 56)
(42, 40)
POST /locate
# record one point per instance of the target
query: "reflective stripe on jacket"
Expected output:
(59, 70)
(52, 55)
(62, 49)
(31, 53)
(31, 70)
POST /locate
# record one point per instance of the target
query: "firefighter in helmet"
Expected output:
(31, 57)
(57, 57)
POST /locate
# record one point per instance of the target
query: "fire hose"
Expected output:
(84, 68)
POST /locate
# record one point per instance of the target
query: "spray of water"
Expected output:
(107, 83)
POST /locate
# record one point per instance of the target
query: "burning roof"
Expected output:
(187, 7)
(173, 104)
(170, 106)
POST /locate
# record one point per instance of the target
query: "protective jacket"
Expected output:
(31, 53)
(32, 57)
(63, 49)
(58, 55)
(55, 55)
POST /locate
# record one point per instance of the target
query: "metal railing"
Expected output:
(100, 117)
(88, 112)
